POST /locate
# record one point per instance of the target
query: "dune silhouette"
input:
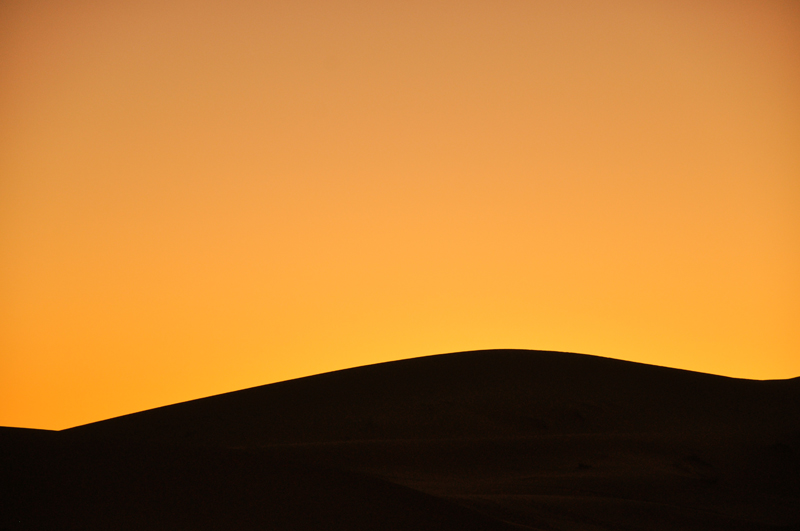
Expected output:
(499, 439)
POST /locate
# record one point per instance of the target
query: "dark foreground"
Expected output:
(489, 440)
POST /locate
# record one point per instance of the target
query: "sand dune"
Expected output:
(475, 440)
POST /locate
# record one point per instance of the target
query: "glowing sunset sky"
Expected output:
(203, 196)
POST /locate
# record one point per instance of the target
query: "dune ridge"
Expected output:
(501, 439)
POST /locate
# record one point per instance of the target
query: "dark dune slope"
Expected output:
(501, 393)
(483, 440)
(167, 487)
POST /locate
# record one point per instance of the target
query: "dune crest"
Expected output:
(500, 439)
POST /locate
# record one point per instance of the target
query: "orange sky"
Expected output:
(202, 196)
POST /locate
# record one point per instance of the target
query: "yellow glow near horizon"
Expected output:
(198, 197)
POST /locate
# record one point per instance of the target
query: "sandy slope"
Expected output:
(483, 440)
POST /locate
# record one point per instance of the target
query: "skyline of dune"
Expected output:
(201, 197)
(490, 440)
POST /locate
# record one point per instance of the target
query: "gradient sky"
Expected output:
(202, 196)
